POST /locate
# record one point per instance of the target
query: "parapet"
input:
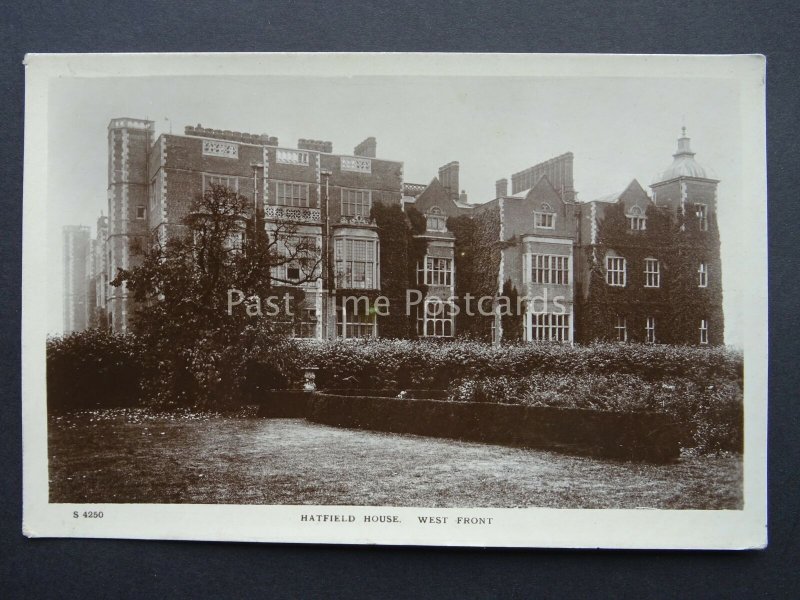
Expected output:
(232, 136)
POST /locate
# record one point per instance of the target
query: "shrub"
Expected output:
(630, 436)
(428, 364)
(94, 368)
(710, 414)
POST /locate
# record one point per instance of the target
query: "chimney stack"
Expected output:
(448, 177)
(315, 145)
(463, 197)
(501, 188)
(367, 148)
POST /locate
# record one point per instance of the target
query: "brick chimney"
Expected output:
(315, 145)
(367, 148)
(448, 177)
(463, 197)
(501, 188)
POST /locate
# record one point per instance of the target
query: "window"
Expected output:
(231, 183)
(291, 157)
(650, 330)
(288, 193)
(435, 271)
(436, 220)
(303, 267)
(636, 219)
(701, 211)
(652, 273)
(435, 319)
(615, 271)
(353, 322)
(544, 218)
(621, 329)
(702, 275)
(356, 203)
(155, 191)
(356, 263)
(141, 212)
(235, 241)
(549, 327)
(549, 268)
(703, 331)
(306, 327)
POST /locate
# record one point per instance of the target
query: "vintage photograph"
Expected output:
(387, 299)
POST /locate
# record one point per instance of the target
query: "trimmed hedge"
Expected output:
(424, 364)
(711, 416)
(628, 436)
(284, 404)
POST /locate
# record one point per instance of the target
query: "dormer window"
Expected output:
(545, 217)
(436, 220)
(636, 219)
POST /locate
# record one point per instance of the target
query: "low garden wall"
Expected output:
(629, 436)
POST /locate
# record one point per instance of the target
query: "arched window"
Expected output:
(436, 220)
(636, 219)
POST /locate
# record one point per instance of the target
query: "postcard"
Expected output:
(406, 299)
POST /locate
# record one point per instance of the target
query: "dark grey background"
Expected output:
(123, 569)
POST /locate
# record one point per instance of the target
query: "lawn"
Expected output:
(136, 457)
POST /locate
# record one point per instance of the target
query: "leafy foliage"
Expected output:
(94, 368)
(396, 242)
(711, 414)
(699, 387)
(678, 303)
(511, 318)
(430, 364)
(477, 262)
(182, 292)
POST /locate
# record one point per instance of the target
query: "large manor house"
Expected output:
(633, 266)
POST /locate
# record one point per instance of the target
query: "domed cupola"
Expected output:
(683, 163)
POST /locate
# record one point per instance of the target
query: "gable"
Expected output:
(635, 196)
(436, 196)
(544, 192)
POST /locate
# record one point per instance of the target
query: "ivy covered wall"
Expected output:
(477, 263)
(677, 305)
(397, 251)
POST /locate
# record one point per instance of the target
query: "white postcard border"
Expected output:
(535, 527)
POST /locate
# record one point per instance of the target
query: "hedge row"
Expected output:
(628, 436)
(94, 369)
(412, 364)
(710, 414)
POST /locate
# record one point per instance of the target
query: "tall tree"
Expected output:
(185, 285)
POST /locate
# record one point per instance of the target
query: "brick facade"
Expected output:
(538, 240)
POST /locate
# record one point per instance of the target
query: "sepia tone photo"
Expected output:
(424, 304)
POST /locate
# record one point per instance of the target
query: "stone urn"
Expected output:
(310, 379)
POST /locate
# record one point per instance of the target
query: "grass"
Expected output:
(135, 457)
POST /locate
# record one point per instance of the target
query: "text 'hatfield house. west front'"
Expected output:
(630, 266)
